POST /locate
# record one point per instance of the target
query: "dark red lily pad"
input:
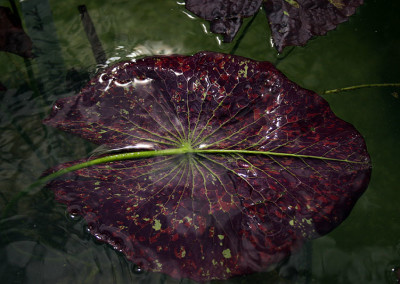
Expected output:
(225, 16)
(12, 36)
(292, 22)
(295, 22)
(209, 215)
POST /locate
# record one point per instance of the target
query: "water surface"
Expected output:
(42, 244)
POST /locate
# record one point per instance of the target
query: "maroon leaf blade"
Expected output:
(292, 22)
(12, 36)
(295, 22)
(291, 169)
(225, 16)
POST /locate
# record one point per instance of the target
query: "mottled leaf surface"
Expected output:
(295, 22)
(209, 215)
(292, 22)
(225, 16)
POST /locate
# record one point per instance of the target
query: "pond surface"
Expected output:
(40, 243)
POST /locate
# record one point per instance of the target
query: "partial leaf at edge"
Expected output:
(292, 22)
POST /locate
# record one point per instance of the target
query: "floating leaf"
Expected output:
(12, 36)
(292, 22)
(225, 16)
(295, 22)
(222, 165)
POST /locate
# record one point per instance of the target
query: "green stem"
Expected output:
(360, 87)
(266, 153)
(116, 157)
(185, 149)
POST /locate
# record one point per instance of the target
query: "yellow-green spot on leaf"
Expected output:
(228, 270)
(243, 72)
(337, 3)
(158, 264)
(124, 111)
(291, 222)
(186, 219)
(293, 3)
(309, 221)
(157, 225)
(97, 183)
(221, 237)
(214, 262)
(146, 219)
(226, 253)
(286, 13)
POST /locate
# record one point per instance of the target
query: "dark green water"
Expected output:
(40, 244)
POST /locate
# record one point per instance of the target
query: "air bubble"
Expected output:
(86, 230)
(73, 213)
(137, 269)
(74, 216)
(396, 273)
(393, 274)
(90, 227)
(58, 106)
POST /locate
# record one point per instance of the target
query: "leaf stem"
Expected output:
(267, 153)
(147, 154)
(360, 87)
(102, 160)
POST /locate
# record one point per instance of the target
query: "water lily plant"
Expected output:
(216, 165)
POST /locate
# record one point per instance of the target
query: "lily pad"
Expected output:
(225, 16)
(222, 166)
(292, 22)
(12, 36)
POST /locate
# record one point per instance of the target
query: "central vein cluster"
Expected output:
(187, 147)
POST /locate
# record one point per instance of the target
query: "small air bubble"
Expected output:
(90, 227)
(137, 269)
(73, 216)
(73, 213)
(58, 106)
(87, 233)
(393, 274)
